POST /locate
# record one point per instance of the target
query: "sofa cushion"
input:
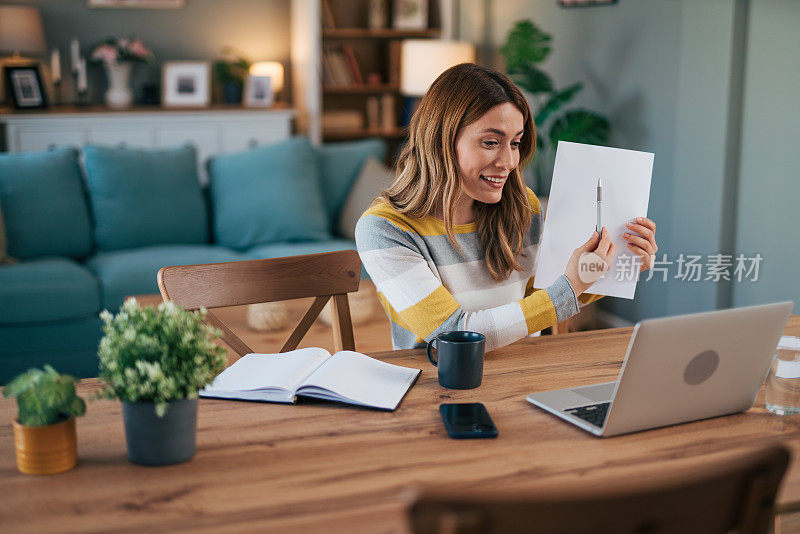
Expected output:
(47, 289)
(142, 197)
(133, 272)
(339, 165)
(373, 178)
(280, 250)
(44, 210)
(267, 194)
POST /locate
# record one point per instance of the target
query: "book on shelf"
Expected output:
(352, 63)
(347, 376)
(342, 119)
(327, 15)
(336, 67)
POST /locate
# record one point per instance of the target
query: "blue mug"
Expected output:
(459, 358)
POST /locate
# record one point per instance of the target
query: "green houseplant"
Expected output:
(155, 360)
(230, 73)
(44, 433)
(526, 47)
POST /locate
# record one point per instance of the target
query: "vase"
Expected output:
(46, 450)
(119, 94)
(154, 440)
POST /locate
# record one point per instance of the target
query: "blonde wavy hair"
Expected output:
(427, 169)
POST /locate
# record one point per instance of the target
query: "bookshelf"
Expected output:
(346, 75)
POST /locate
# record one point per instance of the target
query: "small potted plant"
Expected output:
(44, 433)
(230, 73)
(155, 360)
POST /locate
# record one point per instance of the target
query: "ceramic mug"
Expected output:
(459, 358)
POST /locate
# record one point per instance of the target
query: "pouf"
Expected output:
(268, 316)
(362, 306)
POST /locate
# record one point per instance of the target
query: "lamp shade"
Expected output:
(21, 30)
(273, 69)
(423, 60)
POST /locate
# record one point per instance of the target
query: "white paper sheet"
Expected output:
(572, 211)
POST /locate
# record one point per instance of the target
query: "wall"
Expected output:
(670, 75)
(198, 31)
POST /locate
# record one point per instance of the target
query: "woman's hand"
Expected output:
(593, 266)
(643, 244)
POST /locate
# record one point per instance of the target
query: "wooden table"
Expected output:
(320, 466)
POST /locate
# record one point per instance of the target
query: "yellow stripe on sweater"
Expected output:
(429, 313)
(539, 311)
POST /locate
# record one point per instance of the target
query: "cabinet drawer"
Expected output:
(132, 137)
(30, 140)
(238, 138)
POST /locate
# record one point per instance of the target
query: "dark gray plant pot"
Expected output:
(160, 441)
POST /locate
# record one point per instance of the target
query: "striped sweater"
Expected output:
(427, 287)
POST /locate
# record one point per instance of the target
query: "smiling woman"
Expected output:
(452, 244)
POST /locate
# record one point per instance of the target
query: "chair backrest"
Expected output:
(215, 285)
(734, 495)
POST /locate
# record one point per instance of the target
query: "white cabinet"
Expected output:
(212, 131)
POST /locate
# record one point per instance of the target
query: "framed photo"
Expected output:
(585, 3)
(410, 15)
(137, 4)
(258, 92)
(186, 84)
(24, 86)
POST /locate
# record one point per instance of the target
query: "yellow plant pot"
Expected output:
(46, 450)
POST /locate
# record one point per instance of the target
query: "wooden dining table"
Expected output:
(320, 466)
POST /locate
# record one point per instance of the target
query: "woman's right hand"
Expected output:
(603, 248)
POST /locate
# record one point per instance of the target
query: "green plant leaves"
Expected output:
(581, 126)
(556, 100)
(43, 397)
(532, 79)
(525, 44)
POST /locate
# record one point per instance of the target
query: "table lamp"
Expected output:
(273, 69)
(21, 31)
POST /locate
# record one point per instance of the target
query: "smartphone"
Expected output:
(465, 421)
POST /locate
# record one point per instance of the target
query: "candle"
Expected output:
(55, 65)
(75, 53)
(82, 85)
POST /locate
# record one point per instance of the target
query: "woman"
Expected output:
(452, 244)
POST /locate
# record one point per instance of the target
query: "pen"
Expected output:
(599, 227)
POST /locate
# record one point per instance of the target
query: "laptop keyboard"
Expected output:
(593, 413)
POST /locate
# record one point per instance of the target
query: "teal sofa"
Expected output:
(89, 227)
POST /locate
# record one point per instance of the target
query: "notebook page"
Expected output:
(356, 378)
(268, 371)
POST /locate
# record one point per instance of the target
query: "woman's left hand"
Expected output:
(643, 244)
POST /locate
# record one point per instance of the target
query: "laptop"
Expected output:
(678, 369)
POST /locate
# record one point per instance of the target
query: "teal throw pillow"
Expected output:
(44, 209)
(267, 194)
(143, 197)
(340, 164)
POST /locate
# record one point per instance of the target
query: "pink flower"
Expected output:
(137, 48)
(105, 53)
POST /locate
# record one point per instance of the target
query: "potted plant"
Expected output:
(44, 432)
(155, 360)
(230, 73)
(525, 48)
(118, 57)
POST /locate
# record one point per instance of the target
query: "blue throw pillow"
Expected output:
(340, 164)
(142, 197)
(44, 210)
(267, 194)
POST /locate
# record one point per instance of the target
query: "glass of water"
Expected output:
(783, 383)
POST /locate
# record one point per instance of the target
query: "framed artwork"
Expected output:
(24, 87)
(585, 3)
(137, 4)
(186, 84)
(258, 92)
(410, 14)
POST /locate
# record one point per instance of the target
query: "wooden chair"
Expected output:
(215, 285)
(734, 495)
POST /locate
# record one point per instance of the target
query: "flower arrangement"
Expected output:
(45, 397)
(157, 355)
(113, 51)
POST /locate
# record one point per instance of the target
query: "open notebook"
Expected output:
(346, 376)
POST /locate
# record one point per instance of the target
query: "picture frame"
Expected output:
(585, 3)
(258, 92)
(186, 84)
(24, 87)
(136, 4)
(410, 14)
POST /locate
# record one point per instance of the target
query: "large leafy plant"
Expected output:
(157, 354)
(45, 397)
(526, 47)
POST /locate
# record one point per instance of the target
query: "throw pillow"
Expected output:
(44, 209)
(143, 197)
(339, 164)
(4, 257)
(373, 178)
(267, 194)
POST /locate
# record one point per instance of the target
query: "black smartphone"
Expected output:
(464, 421)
